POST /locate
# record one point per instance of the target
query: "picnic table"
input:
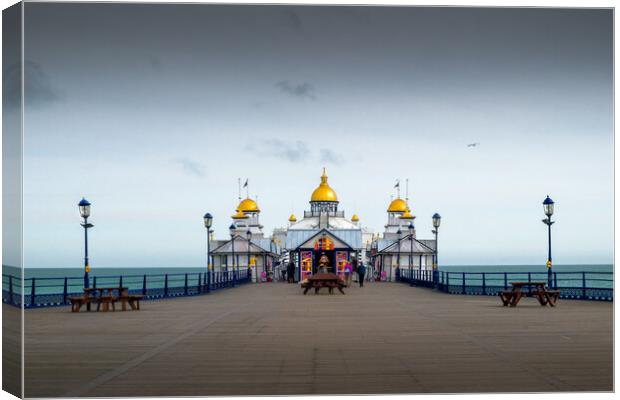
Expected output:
(544, 295)
(328, 280)
(104, 297)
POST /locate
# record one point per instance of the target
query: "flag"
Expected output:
(245, 184)
(397, 184)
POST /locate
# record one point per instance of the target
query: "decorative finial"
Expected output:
(324, 177)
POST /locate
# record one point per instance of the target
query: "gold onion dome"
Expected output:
(355, 218)
(398, 205)
(407, 215)
(324, 192)
(239, 215)
(292, 218)
(248, 205)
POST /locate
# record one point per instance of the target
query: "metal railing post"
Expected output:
(166, 285)
(144, 286)
(484, 284)
(555, 280)
(11, 289)
(94, 282)
(447, 282)
(463, 282)
(32, 293)
(185, 291)
(64, 292)
(505, 280)
(583, 285)
(120, 282)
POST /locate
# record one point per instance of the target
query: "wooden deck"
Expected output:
(271, 339)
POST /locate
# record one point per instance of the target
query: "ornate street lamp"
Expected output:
(411, 229)
(399, 233)
(248, 235)
(436, 223)
(232, 229)
(548, 209)
(84, 207)
(208, 220)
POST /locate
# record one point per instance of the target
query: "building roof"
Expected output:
(295, 238)
(324, 192)
(406, 246)
(259, 245)
(398, 205)
(248, 205)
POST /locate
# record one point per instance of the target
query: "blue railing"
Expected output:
(46, 292)
(586, 285)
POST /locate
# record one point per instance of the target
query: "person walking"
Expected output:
(348, 271)
(290, 272)
(361, 271)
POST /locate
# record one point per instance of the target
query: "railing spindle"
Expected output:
(10, 289)
(32, 293)
(583, 285)
(64, 292)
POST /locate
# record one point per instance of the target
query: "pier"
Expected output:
(269, 339)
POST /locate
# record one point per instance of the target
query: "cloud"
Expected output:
(289, 151)
(331, 157)
(190, 166)
(301, 90)
(38, 89)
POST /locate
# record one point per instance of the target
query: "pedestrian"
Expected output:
(348, 271)
(361, 271)
(290, 272)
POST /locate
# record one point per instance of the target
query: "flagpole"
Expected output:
(407, 189)
(239, 184)
(247, 188)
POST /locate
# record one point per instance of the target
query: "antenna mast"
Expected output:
(407, 189)
(239, 185)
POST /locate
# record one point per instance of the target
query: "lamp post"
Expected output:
(411, 228)
(399, 233)
(248, 235)
(548, 209)
(436, 223)
(208, 220)
(84, 207)
(232, 229)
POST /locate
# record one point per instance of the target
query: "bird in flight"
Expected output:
(473, 144)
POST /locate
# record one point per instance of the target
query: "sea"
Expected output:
(51, 280)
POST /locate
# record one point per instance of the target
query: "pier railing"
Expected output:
(588, 285)
(46, 292)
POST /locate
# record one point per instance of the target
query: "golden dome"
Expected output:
(292, 218)
(398, 205)
(407, 215)
(240, 215)
(324, 192)
(248, 205)
(355, 218)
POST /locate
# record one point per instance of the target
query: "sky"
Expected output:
(152, 112)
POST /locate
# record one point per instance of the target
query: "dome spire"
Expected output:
(324, 192)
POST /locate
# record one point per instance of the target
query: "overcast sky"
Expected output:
(152, 112)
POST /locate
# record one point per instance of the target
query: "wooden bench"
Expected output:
(132, 299)
(321, 280)
(544, 295)
(106, 300)
(78, 301)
